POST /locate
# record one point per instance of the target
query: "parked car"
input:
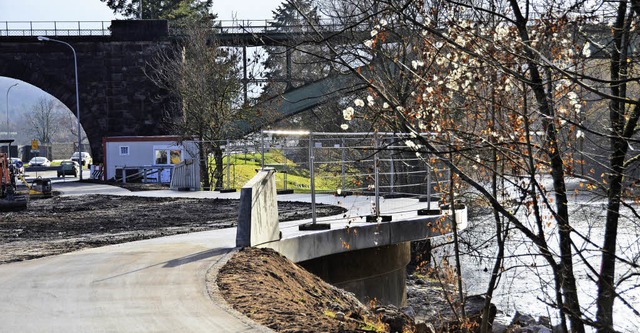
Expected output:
(40, 161)
(86, 158)
(68, 167)
(17, 164)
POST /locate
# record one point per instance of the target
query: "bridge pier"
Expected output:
(377, 273)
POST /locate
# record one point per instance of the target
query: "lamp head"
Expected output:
(43, 38)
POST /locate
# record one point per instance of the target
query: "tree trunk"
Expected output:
(204, 167)
(218, 169)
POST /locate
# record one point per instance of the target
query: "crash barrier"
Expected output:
(96, 171)
(146, 174)
(186, 176)
(258, 212)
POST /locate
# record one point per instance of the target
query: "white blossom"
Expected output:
(385, 105)
(383, 22)
(586, 50)
(344, 126)
(579, 134)
(460, 40)
(370, 101)
(348, 113)
(410, 144)
(374, 32)
(358, 102)
(368, 43)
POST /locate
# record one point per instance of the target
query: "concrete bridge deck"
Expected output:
(155, 285)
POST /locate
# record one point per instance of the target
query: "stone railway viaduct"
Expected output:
(116, 98)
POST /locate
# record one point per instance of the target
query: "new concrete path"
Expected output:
(156, 285)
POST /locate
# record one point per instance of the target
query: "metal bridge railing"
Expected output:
(102, 28)
(54, 28)
(377, 166)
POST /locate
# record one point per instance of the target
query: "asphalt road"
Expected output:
(53, 175)
(155, 285)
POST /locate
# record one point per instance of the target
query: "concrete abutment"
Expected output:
(374, 274)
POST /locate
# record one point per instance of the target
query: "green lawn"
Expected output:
(245, 166)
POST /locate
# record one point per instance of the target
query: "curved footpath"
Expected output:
(155, 285)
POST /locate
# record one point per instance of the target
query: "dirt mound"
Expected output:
(273, 291)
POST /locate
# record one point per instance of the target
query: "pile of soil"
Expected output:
(275, 292)
(63, 224)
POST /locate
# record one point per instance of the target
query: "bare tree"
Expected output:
(205, 80)
(42, 121)
(509, 92)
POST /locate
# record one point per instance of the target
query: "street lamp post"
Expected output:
(7, 100)
(75, 66)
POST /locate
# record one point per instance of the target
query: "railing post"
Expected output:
(313, 225)
(312, 183)
(262, 141)
(393, 175)
(376, 161)
(228, 164)
(284, 155)
(342, 164)
(428, 187)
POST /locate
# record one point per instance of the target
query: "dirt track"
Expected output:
(64, 224)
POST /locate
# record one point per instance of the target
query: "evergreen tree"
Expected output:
(172, 10)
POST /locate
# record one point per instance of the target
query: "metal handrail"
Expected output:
(102, 28)
(54, 28)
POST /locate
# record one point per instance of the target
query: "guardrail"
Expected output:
(102, 28)
(54, 28)
(379, 166)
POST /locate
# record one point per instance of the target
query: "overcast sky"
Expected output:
(96, 10)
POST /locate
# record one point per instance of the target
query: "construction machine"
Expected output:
(10, 198)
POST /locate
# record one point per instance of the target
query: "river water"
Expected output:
(526, 284)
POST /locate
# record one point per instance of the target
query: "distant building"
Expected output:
(145, 158)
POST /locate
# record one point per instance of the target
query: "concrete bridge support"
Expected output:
(373, 274)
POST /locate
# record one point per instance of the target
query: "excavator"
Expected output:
(10, 198)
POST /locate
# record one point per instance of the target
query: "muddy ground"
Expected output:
(63, 224)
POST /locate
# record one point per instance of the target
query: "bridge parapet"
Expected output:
(54, 28)
(104, 28)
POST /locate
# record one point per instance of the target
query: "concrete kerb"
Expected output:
(216, 296)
